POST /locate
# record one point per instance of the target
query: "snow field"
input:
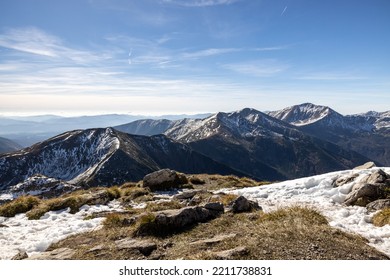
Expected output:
(317, 192)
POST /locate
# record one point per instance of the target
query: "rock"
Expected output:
(367, 165)
(376, 177)
(164, 179)
(145, 247)
(214, 206)
(241, 204)
(370, 188)
(344, 180)
(186, 194)
(214, 240)
(20, 256)
(378, 205)
(175, 220)
(231, 254)
(57, 254)
(363, 193)
(1, 225)
(97, 249)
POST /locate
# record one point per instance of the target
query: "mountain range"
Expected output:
(103, 157)
(297, 141)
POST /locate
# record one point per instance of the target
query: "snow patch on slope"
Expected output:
(317, 191)
(34, 236)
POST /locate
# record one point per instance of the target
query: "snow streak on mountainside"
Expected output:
(65, 156)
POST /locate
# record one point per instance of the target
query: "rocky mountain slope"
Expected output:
(367, 134)
(256, 144)
(103, 157)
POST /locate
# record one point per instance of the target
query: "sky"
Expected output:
(151, 57)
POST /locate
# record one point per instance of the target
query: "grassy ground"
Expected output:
(290, 233)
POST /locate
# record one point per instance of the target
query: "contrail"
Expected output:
(285, 8)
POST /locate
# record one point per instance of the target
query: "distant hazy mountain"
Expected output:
(103, 157)
(33, 129)
(367, 134)
(7, 145)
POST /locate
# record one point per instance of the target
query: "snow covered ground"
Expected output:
(34, 236)
(317, 191)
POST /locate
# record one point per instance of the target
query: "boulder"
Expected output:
(57, 254)
(215, 206)
(379, 176)
(145, 247)
(378, 205)
(370, 188)
(164, 179)
(241, 204)
(362, 194)
(367, 165)
(175, 220)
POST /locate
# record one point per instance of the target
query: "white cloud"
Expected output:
(32, 40)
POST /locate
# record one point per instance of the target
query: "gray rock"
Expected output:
(176, 220)
(378, 205)
(58, 254)
(241, 204)
(214, 206)
(344, 180)
(145, 247)
(164, 179)
(367, 165)
(186, 194)
(364, 193)
(376, 177)
(20, 256)
(231, 254)
(214, 240)
(370, 188)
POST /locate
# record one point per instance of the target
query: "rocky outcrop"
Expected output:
(164, 179)
(370, 188)
(344, 180)
(241, 204)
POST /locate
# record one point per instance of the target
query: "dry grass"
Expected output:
(20, 205)
(289, 233)
(216, 182)
(382, 218)
(163, 205)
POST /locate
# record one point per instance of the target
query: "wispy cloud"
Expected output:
(200, 3)
(259, 68)
(32, 40)
(284, 10)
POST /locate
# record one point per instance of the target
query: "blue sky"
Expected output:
(174, 56)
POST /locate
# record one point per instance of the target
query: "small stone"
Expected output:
(145, 247)
(232, 253)
(20, 256)
(214, 206)
(57, 254)
(367, 165)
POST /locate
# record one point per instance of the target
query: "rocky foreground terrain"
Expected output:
(169, 215)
